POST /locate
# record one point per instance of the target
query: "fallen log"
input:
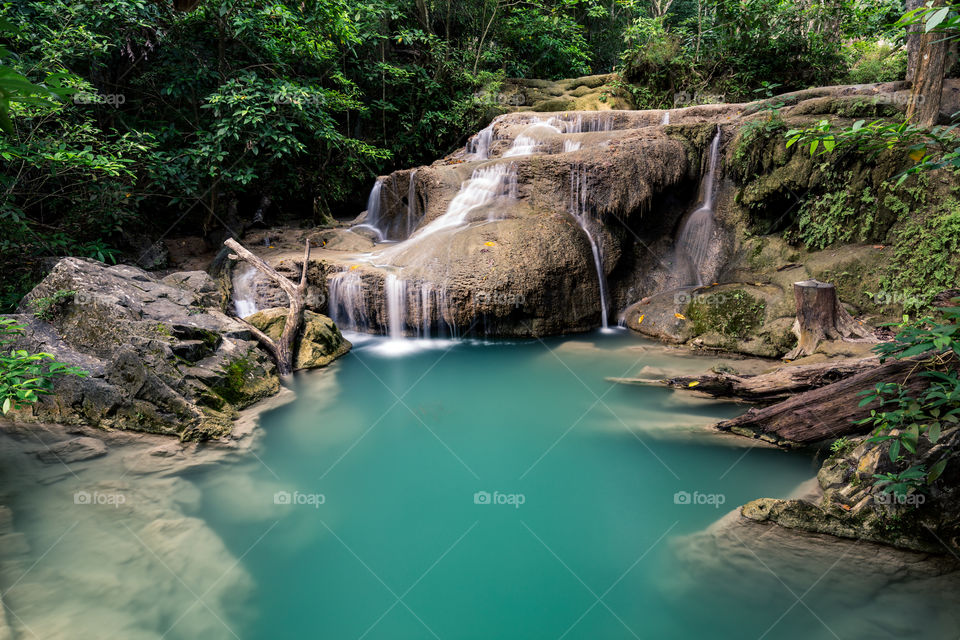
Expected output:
(765, 388)
(827, 412)
(282, 349)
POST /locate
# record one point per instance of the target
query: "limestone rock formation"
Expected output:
(160, 358)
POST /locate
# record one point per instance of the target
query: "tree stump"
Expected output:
(820, 316)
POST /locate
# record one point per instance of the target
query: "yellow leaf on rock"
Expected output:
(354, 267)
(640, 319)
(693, 384)
(490, 244)
(917, 155)
(680, 316)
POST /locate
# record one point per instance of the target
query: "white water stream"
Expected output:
(693, 241)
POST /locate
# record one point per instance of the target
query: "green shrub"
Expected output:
(25, 376)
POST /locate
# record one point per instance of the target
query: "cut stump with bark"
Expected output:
(820, 316)
(282, 349)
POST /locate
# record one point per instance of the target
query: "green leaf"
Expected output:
(936, 471)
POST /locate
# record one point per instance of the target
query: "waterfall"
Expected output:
(244, 290)
(485, 185)
(579, 209)
(526, 143)
(579, 124)
(666, 118)
(373, 212)
(479, 145)
(571, 145)
(347, 305)
(395, 292)
(693, 242)
(412, 203)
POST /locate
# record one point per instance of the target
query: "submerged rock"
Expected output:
(73, 450)
(160, 358)
(320, 341)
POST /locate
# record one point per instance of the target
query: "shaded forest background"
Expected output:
(177, 123)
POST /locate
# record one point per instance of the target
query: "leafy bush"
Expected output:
(24, 376)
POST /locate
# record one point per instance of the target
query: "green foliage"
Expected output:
(25, 376)
(904, 420)
(734, 314)
(48, 308)
(841, 446)
(871, 61)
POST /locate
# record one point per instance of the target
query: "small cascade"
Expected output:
(571, 145)
(527, 143)
(347, 305)
(693, 242)
(244, 290)
(579, 208)
(582, 124)
(373, 212)
(395, 293)
(485, 185)
(666, 118)
(412, 214)
(479, 145)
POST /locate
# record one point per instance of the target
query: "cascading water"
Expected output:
(579, 208)
(373, 212)
(666, 118)
(412, 217)
(244, 290)
(571, 145)
(527, 142)
(485, 185)
(346, 302)
(693, 242)
(479, 145)
(395, 293)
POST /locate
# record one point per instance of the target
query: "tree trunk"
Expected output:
(914, 36)
(820, 316)
(827, 412)
(281, 350)
(765, 388)
(927, 89)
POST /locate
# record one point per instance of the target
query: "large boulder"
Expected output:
(320, 340)
(160, 358)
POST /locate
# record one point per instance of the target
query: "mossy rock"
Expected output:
(320, 340)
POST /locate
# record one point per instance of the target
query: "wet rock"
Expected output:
(159, 357)
(73, 450)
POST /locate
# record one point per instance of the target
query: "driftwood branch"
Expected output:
(282, 349)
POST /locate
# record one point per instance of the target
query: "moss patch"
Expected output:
(734, 314)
